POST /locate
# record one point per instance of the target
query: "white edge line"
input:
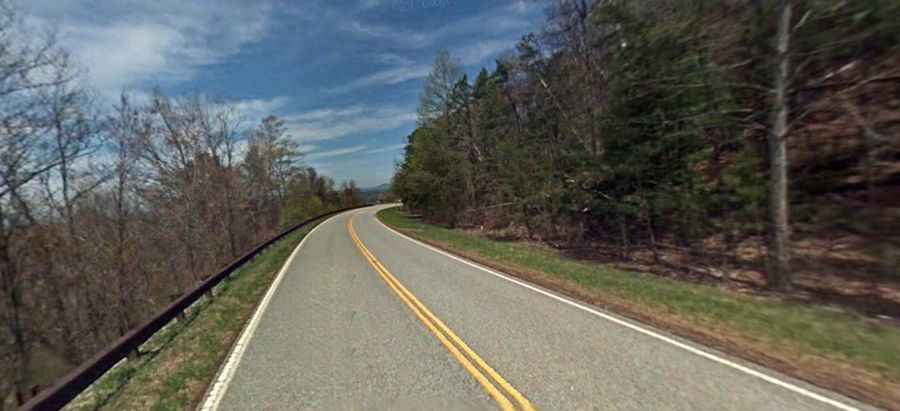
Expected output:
(704, 354)
(220, 385)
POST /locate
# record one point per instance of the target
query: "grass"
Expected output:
(179, 362)
(842, 351)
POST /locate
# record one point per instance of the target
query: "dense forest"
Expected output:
(108, 214)
(754, 141)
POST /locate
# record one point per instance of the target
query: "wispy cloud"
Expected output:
(334, 153)
(369, 4)
(503, 20)
(481, 50)
(336, 122)
(406, 69)
(398, 36)
(255, 110)
(394, 75)
(328, 114)
(131, 45)
(391, 59)
(386, 149)
(306, 149)
(339, 152)
(495, 30)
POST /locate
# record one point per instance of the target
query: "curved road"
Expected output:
(362, 317)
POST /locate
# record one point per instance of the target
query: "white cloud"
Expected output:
(328, 114)
(386, 149)
(306, 148)
(334, 153)
(394, 75)
(478, 52)
(369, 4)
(391, 59)
(131, 45)
(403, 37)
(316, 155)
(525, 6)
(503, 25)
(331, 123)
(406, 69)
(505, 20)
(254, 110)
(112, 66)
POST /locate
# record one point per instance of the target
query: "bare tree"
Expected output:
(436, 98)
(33, 141)
(90, 244)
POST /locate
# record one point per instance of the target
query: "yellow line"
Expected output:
(502, 401)
(523, 402)
(435, 325)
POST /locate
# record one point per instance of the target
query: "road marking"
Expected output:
(218, 388)
(650, 333)
(442, 332)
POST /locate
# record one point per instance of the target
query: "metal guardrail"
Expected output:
(69, 386)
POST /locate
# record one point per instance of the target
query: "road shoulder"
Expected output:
(508, 257)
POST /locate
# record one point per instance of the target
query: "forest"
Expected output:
(108, 214)
(751, 143)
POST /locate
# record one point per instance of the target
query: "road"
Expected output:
(364, 318)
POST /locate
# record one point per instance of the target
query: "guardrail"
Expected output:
(69, 386)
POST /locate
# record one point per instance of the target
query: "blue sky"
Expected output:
(345, 75)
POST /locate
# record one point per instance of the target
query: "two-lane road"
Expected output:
(362, 317)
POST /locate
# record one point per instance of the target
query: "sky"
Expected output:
(344, 75)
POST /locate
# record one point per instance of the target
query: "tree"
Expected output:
(33, 141)
(435, 100)
(90, 245)
(676, 123)
(350, 194)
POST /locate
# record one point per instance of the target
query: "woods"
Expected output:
(107, 215)
(749, 144)
(698, 137)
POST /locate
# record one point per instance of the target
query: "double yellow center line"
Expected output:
(483, 373)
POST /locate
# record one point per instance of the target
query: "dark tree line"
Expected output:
(687, 124)
(108, 215)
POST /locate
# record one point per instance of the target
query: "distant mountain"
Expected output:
(378, 189)
(371, 194)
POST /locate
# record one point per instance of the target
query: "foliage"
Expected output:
(638, 123)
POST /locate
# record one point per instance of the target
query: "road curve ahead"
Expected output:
(362, 317)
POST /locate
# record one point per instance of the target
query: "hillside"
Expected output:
(645, 137)
(372, 194)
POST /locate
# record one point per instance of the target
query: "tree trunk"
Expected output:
(21, 358)
(779, 212)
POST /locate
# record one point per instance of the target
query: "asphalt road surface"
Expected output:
(362, 317)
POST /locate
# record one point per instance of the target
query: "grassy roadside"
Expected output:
(180, 361)
(837, 350)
